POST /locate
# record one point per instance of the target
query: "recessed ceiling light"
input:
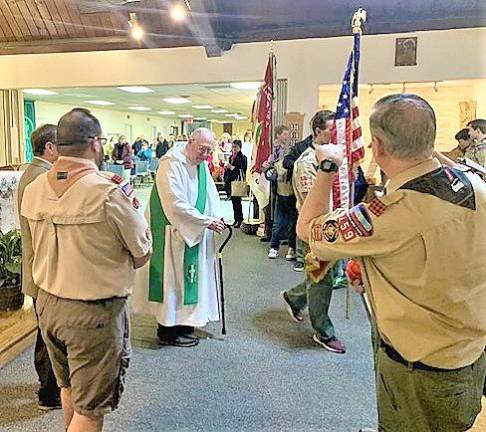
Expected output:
(250, 85)
(136, 89)
(99, 102)
(39, 92)
(185, 115)
(199, 118)
(178, 12)
(219, 111)
(167, 112)
(202, 106)
(140, 108)
(241, 117)
(177, 100)
(231, 115)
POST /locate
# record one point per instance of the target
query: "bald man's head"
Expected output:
(200, 145)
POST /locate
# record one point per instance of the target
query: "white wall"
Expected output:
(442, 55)
(112, 122)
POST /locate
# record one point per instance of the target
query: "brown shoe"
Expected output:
(180, 341)
(293, 312)
(332, 344)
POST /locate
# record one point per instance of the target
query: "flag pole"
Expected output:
(271, 198)
(359, 17)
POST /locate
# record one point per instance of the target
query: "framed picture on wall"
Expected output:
(406, 51)
(174, 130)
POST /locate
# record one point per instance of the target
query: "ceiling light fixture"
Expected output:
(167, 112)
(239, 117)
(219, 111)
(185, 116)
(202, 106)
(136, 30)
(40, 92)
(178, 10)
(250, 85)
(99, 102)
(199, 118)
(177, 100)
(140, 108)
(136, 89)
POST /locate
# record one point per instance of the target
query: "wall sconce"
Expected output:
(436, 87)
(135, 29)
(372, 89)
(404, 88)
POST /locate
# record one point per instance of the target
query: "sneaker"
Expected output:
(290, 254)
(294, 313)
(49, 405)
(367, 430)
(299, 266)
(272, 253)
(332, 344)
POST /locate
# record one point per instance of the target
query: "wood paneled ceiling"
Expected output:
(37, 26)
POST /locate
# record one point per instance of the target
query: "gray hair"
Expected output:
(406, 124)
(202, 133)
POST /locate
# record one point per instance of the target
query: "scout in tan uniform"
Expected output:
(422, 249)
(477, 151)
(88, 236)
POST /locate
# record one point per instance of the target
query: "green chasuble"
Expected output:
(158, 224)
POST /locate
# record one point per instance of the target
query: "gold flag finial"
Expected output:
(272, 47)
(359, 17)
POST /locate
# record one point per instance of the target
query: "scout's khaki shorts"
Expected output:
(89, 347)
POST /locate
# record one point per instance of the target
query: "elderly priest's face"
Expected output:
(200, 146)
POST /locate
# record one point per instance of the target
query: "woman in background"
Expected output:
(122, 155)
(235, 169)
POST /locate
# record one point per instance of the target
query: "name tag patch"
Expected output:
(317, 232)
(62, 175)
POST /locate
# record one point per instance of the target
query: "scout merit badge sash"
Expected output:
(158, 224)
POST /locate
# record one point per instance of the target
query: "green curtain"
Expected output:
(29, 127)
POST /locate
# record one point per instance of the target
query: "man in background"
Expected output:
(464, 141)
(477, 150)
(43, 140)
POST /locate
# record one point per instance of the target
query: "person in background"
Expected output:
(285, 204)
(108, 148)
(122, 155)
(145, 153)
(247, 146)
(311, 293)
(235, 169)
(463, 142)
(225, 143)
(162, 147)
(477, 150)
(43, 140)
(421, 250)
(88, 237)
(137, 145)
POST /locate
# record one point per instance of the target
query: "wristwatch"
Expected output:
(328, 166)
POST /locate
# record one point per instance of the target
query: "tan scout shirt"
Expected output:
(84, 239)
(304, 175)
(423, 250)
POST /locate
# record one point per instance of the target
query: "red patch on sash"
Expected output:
(136, 203)
(317, 232)
(116, 179)
(346, 228)
(377, 207)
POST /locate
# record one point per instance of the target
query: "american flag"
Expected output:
(346, 130)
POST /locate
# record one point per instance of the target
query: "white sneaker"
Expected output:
(272, 253)
(290, 254)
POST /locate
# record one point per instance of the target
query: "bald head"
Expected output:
(406, 125)
(200, 145)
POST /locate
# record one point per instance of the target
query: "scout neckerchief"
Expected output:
(158, 223)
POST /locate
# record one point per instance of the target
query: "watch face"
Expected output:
(326, 165)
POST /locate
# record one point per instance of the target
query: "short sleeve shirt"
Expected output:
(422, 249)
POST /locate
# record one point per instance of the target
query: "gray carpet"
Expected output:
(266, 375)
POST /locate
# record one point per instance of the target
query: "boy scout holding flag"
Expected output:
(421, 249)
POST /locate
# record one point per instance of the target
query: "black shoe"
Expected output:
(299, 266)
(49, 404)
(294, 313)
(265, 239)
(180, 341)
(237, 224)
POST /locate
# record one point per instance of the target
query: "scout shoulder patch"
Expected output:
(330, 231)
(115, 178)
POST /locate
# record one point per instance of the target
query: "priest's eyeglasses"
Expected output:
(205, 150)
(101, 140)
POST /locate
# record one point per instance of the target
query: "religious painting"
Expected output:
(295, 122)
(406, 51)
(467, 112)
